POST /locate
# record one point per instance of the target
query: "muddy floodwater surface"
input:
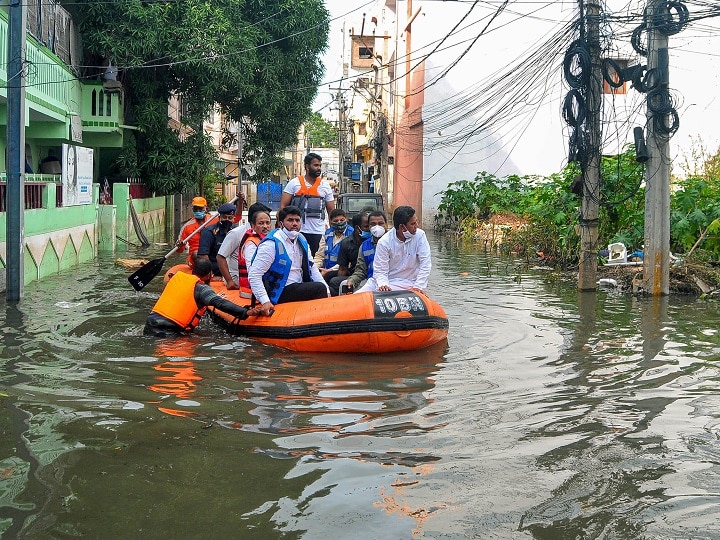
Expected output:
(547, 414)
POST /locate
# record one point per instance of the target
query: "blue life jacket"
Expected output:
(277, 275)
(332, 250)
(367, 249)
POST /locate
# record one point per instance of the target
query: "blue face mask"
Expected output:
(365, 235)
(199, 215)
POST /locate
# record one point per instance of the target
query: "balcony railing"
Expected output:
(35, 191)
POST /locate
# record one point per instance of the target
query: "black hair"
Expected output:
(202, 267)
(257, 207)
(289, 210)
(402, 215)
(357, 220)
(253, 218)
(310, 157)
(377, 213)
(337, 212)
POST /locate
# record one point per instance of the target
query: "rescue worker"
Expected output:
(313, 196)
(184, 301)
(200, 216)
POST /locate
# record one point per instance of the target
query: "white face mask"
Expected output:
(408, 235)
(377, 230)
(292, 235)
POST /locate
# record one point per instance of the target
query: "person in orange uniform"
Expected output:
(185, 300)
(200, 216)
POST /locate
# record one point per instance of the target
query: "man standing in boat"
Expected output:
(184, 301)
(313, 196)
(282, 269)
(402, 256)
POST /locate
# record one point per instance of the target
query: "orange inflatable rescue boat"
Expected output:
(377, 322)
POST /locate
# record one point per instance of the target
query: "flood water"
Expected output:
(547, 414)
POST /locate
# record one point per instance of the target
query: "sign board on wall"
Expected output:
(77, 174)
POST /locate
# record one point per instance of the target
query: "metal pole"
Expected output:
(656, 264)
(587, 275)
(17, 16)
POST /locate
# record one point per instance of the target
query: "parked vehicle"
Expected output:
(354, 203)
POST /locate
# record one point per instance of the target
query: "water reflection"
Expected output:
(347, 423)
(622, 417)
(548, 414)
(176, 379)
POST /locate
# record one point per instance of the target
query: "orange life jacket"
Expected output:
(243, 282)
(309, 190)
(308, 199)
(177, 302)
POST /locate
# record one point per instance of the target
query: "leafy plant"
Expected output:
(252, 59)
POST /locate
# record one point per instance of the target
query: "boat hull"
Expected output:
(379, 322)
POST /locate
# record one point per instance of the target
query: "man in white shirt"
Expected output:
(314, 197)
(402, 256)
(282, 269)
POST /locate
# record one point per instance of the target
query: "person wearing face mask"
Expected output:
(230, 249)
(282, 269)
(313, 196)
(184, 301)
(326, 257)
(212, 236)
(348, 252)
(402, 256)
(200, 216)
(366, 254)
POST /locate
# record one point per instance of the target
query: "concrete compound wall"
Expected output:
(57, 239)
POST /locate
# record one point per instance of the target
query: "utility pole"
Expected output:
(240, 151)
(17, 16)
(587, 274)
(340, 100)
(656, 269)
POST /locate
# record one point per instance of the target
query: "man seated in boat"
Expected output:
(348, 252)
(326, 257)
(184, 301)
(212, 236)
(366, 254)
(402, 256)
(230, 248)
(282, 269)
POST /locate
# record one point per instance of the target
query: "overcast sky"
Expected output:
(536, 139)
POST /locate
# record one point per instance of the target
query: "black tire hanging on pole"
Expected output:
(577, 64)
(574, 111)
(636, 40)
(661, 125)
(610, 67)
(664, 20)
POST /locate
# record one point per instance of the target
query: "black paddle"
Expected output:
(144, 275)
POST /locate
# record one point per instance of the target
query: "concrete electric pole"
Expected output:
(587, 274)
(15, 272)
(656, 259)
